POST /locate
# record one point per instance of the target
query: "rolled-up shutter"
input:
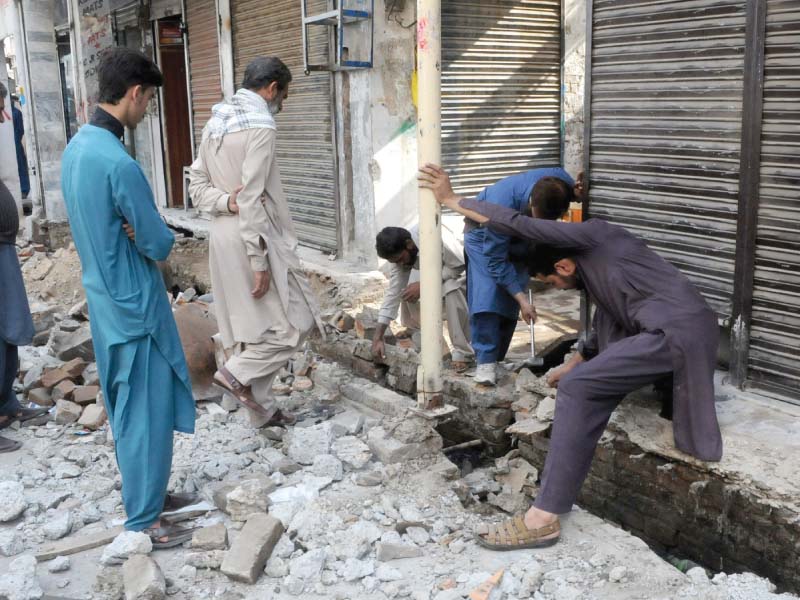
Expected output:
(305, 140)
(501, 79)
(201, 23)
(666, 97)
(774, 358)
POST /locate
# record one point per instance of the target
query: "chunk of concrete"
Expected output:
(41, 397)
(67, 412)
(250, 496)
(214, 537)
(12, 500)
(93, 417)
(125, 545)
(85, 394)
(390, 450)
(394, 551)
(248, 555)
(306, 443)
(143, 579)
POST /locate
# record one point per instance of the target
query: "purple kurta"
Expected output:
(637, 291)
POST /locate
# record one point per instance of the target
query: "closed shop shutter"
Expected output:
(501, 80)
(204, 72)
(775, 327)
(666, 97)
(305, 140)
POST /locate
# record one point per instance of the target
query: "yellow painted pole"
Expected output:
(429, 149)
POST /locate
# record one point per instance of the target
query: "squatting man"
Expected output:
(650, 322)
(400, 247)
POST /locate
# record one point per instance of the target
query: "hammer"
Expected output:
(533, 361)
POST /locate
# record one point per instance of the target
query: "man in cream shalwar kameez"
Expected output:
(238, 151)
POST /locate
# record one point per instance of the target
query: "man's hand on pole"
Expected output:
(434, 178)
(261, 282)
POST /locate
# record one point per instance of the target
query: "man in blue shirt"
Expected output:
(19, 143)
(119, 236)
(496, 284)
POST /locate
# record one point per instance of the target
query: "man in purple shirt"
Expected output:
(650, 322)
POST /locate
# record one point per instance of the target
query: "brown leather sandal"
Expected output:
(224, 380)
(281, 419)
(512, 534)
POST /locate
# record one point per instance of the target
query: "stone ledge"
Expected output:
(741, 514)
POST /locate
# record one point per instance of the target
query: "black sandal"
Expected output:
(7, 445)
(24, 414)
(175, 536)
(173, 502)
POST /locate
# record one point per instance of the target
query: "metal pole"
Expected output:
(429, 149)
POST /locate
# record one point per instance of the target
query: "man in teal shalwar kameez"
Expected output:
(119, 236)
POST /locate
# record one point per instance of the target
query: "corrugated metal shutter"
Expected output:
(666, 96)
(204, 73)
(501, 80)
(774, 356)
(305, 139)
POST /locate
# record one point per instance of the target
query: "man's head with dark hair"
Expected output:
(127, 81)
(550, 198)
(395, 245)
(3, 94)
(555, 266)
(268, 77)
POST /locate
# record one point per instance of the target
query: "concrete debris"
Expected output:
(12, 500)
(326, 465)
(62, 391)
(352, 451)
(125, 545)
(109, 584)
(59, 564)
(214, 537)
(20, 582)
(59, 525)
(546, 409)
(307, 443)
(387, 551)
(617, 574)
(75, 344)
(250, 550)
(10, 543)
(354, 569)
(67, 412)
(85, 394)
(211, 559)
(93, 417)
(250, 496)
(391, 450)
(369, 478)
(276, 567)
(143, 579)
(348, 422)
(305, 570)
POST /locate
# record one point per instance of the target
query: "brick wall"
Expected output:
(688, 511)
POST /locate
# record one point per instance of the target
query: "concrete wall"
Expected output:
(376, 126)
(573, 77)
(45, 97)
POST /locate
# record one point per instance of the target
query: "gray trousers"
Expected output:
(456, 313)
(586, 398)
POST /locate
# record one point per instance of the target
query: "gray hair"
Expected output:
(3, 90)
(262, 71)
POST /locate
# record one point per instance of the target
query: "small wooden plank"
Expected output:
(78, 544)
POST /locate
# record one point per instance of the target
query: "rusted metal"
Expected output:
(774, 332)
(501, 75)
(749, 169)
(204, 64)
(306, 154)
(664, 115)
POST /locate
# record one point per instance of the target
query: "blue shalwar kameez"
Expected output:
(140, 360)
(492, 279)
